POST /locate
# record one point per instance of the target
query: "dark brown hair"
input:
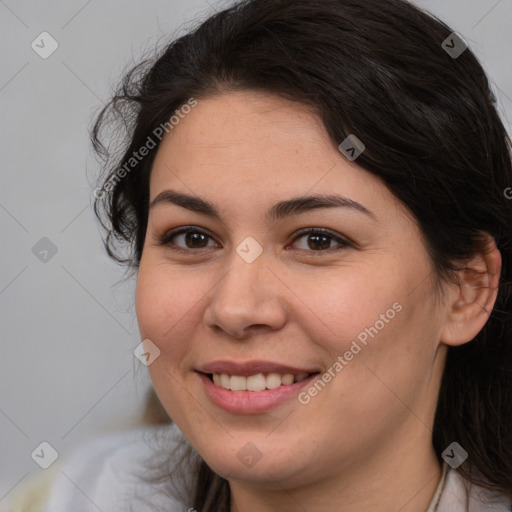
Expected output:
(375, 68)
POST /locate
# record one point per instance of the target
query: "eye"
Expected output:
(319, 240)
(192, 237)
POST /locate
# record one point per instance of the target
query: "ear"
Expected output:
(471, 300)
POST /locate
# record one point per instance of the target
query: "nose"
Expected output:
(248, 298)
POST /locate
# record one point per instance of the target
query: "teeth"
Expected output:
(273, 380)
(255, 382)
(224, 381)
(287, 379)
(258, 382)
(238, 383)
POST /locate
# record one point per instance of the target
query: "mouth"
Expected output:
(256, 382)
(255, 386)
(256, 393)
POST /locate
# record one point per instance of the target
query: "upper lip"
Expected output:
(246, 368)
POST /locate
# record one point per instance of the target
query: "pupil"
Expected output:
(316, 238)
(194, 237)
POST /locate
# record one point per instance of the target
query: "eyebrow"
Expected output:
(278, 211)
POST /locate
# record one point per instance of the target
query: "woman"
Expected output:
(314, 197)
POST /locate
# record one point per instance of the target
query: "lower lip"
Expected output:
(251, 402)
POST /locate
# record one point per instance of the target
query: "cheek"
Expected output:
(167, 306)
(165, 302)
(165, 314)
(340, 305)
(373, 322)
(170, 303)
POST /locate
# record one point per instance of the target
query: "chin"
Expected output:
(265, 467)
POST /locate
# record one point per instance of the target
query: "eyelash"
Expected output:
(166, 239)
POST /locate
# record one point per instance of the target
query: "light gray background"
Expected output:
(67, 329)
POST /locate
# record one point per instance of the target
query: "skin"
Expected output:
(365, 440)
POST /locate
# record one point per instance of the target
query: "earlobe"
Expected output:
(474, 297)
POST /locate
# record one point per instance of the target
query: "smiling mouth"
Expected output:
(257, 382)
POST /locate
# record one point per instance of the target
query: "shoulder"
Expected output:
(137, 469)
(457, 490)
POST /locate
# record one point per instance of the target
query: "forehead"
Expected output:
(249, 126)
(234, 110)
(253, 145)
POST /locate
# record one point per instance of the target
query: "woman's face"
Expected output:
(245, 294)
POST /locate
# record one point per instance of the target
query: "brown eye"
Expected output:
(320, 240)
(192, 238)
(316, 240)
